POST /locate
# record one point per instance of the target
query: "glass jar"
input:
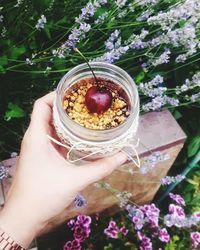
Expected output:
(96, 142)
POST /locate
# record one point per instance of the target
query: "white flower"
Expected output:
(41, 22)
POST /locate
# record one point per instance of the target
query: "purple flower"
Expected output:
(151, 161)
(81, 233)
(123, 230)
(152, 213)
(177, 198)
(80, 201)
(123, 198)
(177, 210)
(163, 235)
(147, 213)
(179, 178)
(41, 22)
(112, 55)
(120, 3)
(113, 41)
(84, 220)
(197, 216)
(156, 104)
(116, 50)
(164, 58)
(89, 10)
(85, 27)
(81, 227)
(167, 180)
(176, 217)
(138, 219)
(112, 230)
(71, 223)
(101, 18)
(79, 33)
(146, 243)
(195, 236)
(72, 245)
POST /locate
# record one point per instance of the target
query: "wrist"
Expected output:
(20, 224)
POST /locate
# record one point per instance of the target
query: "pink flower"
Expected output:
(113, 231)
(71, 223)
(123, 230)
(84, 220)
(72, 245)
(163, 235)
(81, 231)
(152, 213)
(146, 243)
(197, 216)
(177, 198)
(176, 210)
(138, 219)
(195, 236)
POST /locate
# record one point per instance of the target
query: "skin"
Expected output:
(45, 184)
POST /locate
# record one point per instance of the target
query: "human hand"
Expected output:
(45, 183)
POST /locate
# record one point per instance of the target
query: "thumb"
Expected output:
(99, 169)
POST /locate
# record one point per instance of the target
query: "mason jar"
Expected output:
(90, 143)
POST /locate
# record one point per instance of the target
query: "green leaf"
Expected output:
(177, 115)
(62, 21)
(59, 63)
(2, 70)
(172, 244)
(3, 60)
(194, 146)
(140, 77)
(47, 32)
(192, 181)
(15, 52)
(108, 247)
(42, 4)
(100, 11)
(182, 23)
(14, 111)
(111, 22)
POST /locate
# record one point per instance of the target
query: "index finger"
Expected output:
(42, 112)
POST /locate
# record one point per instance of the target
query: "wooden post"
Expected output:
(158, 131)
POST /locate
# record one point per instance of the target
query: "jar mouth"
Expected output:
(107, 70)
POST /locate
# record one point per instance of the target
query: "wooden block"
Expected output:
(157, 131)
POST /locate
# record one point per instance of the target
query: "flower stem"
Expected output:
(81, 54)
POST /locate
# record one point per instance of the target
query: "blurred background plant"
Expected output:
(156, 41)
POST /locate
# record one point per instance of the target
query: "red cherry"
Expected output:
(98, 99)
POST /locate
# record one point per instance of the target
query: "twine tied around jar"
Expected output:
(126, 143)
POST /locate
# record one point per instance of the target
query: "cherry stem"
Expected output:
(81, 54)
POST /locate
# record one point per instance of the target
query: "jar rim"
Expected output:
(103, 65)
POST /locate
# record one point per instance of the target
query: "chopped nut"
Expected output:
(73, 98)
(65, 104)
